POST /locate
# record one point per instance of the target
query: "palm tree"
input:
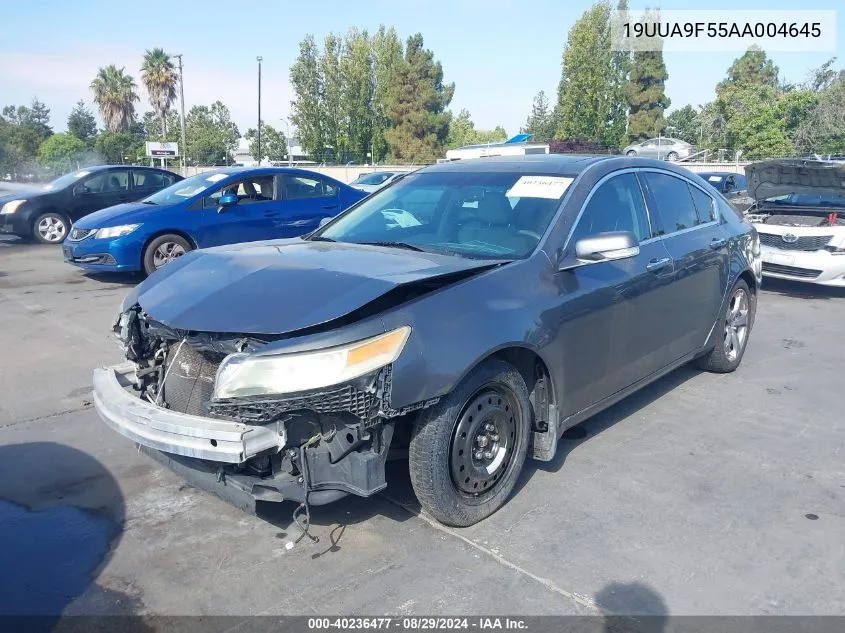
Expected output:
(159, 77)
(115, 96)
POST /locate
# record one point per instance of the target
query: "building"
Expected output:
(243, 157)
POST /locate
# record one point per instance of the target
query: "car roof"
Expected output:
(236, 170)
(538, 163)
(95, 168)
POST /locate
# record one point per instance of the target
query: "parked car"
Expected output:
(376, 180)
(732, 186)
(662, 148)
(472, 312)
(47, 213)
(216, 207)
(799, 213)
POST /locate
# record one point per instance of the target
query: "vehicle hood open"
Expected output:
(282, 286)
(771, 178)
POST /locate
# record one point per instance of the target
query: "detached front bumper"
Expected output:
(177, 433)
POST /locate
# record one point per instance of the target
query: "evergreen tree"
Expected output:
(356, 66)
(541, 122)
(82, 124)
(646, 94)
(307, 107)
(387, 55)
(416, 105)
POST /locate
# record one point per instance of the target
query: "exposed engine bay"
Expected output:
(796, 216)
(336, 439)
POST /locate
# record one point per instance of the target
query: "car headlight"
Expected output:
(116, 231)
(837, 247)
(242, 374)
(11, 207)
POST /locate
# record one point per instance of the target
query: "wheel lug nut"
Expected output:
(488, 455)
(478, 455)
(489, 426)
(494, 438)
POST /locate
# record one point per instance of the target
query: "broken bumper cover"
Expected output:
(176, 433)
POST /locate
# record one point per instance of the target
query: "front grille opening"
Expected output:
(804, 242)
(189, 381)
(792, 271)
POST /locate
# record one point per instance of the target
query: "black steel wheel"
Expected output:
(467, 451)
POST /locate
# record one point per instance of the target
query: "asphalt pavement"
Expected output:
(702, 494)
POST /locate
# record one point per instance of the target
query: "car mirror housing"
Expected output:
(227, 200)
(602, 247)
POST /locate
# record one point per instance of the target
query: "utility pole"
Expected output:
(287, 139)
(259, 58)
(182, 159)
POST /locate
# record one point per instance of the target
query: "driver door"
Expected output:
(251, 219)
(99, 191)
(610, 312)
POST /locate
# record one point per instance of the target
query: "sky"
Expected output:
(499, 53)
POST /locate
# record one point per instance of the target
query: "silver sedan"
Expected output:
(663, 148)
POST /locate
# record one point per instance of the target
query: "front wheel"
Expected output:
(736, 324)
(163, 250)
(467, 451)
(50, 228)
(630, 152)
(672, 156)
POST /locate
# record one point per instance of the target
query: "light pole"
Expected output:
(182, 160)
(259, 58)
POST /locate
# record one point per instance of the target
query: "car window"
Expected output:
(151, 179)
(108, 181)
(616, 205)
(487, 215)
(372, 179)
(248, 190)
(650, 143)
(674, 202)
(704, 205)
(666, 141)
(301, 187)
(740, 183)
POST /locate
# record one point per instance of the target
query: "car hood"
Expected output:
(19, 192)
(282, 286)
(126, 213)
(771, 178)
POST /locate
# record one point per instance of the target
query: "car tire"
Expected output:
(451, 483)
(50, 228)
(164, 249)
(727, 354)
(630, 152)
(672, 156)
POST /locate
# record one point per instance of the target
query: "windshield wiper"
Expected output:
(405, 245)
(149, 202)
(320, 238)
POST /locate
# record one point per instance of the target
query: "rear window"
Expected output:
(674, 202)
(372, 179)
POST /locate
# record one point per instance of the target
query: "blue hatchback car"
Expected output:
(222, 206)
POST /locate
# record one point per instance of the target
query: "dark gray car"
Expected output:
(470, 313)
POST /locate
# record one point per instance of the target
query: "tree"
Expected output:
(541, 122)
(115, 96)
(684, 124)
(824, 76)
(273, 143)
(331, 84)
(590, 103)
(387, 56)
(356, 68)
(462, 132)
(416, 105)
(620, 68)
(62, 152)
(212, 136)
(82, 124)
(23, 130)
(159, 77)
(117, 148)
(823, 129)
(646, 92)
(307, 107)
(752, 68)
(152, 128)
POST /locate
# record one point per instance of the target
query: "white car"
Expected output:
(799, 213)
(375, 180)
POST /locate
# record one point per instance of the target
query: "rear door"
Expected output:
(100, 190)
(688, 221)
(308, 199)
(252, 218)
(146, 182)
(611, 331)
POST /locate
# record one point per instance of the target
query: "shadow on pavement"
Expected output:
(61, 517)
(801, 290)
(632, 607)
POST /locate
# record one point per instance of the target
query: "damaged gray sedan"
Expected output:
(468, 314)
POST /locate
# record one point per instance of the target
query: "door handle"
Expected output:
(658, 264)
(717, 242)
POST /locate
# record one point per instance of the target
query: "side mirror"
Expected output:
(227, 200)
(603, 247)
(324, 221)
